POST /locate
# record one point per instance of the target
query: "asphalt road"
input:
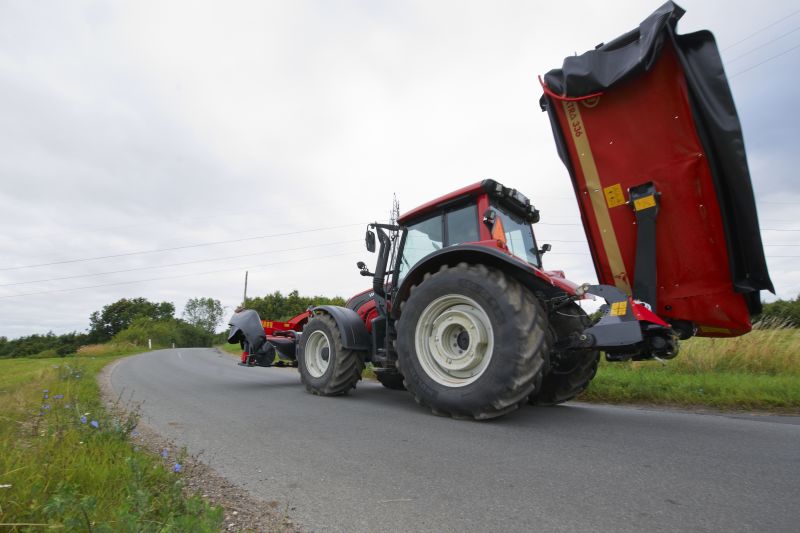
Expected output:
(375, 461)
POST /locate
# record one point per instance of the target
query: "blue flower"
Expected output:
(58, 397)
(45, 396)
(46, 407)
(83, 419)
(94, 424)
(45, 391)
(177, 467)
(164, 453)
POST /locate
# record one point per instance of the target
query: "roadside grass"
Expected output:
(69, 463)
(760, 370)
(234, 349)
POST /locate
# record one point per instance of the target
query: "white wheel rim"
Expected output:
(454, 340)
(317, 353)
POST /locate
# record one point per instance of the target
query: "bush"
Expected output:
(60, 345)
(785, 313)
(164, 333)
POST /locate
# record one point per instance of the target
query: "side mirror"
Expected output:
(370, 241)
(545, 248)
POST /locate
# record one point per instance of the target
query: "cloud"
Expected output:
(151, 125)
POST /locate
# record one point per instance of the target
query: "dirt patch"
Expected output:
(243, 512)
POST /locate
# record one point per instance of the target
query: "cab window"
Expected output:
(455, 226)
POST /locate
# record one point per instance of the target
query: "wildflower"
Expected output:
(46, 407)
(83, 419)
(177, 467)
(164, 453)
(58, 397)
(45, 396)
(95, 424)
(45, 391)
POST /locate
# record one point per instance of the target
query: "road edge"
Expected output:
(242, 510)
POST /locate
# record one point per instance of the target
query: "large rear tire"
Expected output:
(326, 368)
(571, 372)
(471, 342)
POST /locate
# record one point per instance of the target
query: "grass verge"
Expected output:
(68, 463)
(760, 370)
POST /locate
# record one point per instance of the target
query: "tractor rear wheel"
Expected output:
(571, 372)
(326, 368)
(391, 380)
(472, 342)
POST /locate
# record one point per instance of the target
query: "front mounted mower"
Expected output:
(461, 311)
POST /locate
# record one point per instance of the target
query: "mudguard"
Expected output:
(246, 325)
(354, 332)
(652, 111)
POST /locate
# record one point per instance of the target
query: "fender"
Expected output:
(354, 333)
(530, 276)
(246, 325)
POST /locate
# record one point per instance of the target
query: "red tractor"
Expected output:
(462, 312)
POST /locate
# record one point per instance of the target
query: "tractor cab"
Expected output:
(485, 213)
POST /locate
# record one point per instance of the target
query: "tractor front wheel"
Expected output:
(472, 342)
(326, 368)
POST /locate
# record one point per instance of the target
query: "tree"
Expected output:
(205, 313)
(276, 306)
(113, 318)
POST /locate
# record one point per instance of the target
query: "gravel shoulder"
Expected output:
(243, 512)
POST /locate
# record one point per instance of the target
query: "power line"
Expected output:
(766, 60)
(184, 247)
(175, 264)
(768, 26)
(172, 277)
(759, 47)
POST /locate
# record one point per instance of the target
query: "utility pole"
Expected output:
(244, 298)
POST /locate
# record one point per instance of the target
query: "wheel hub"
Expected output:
(454, 340)
(317, 353)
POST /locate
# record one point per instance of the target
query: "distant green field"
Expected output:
(67, 463)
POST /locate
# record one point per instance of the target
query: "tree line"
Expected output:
(137, 320)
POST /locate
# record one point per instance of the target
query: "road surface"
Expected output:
(375, 461)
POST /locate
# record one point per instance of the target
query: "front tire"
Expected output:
(472, 342)
(326, 368)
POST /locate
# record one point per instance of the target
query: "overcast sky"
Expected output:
(138, 126)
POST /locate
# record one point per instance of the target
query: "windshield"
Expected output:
(519, 237)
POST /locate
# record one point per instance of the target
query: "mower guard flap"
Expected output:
(653, 109)
(246, 326)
